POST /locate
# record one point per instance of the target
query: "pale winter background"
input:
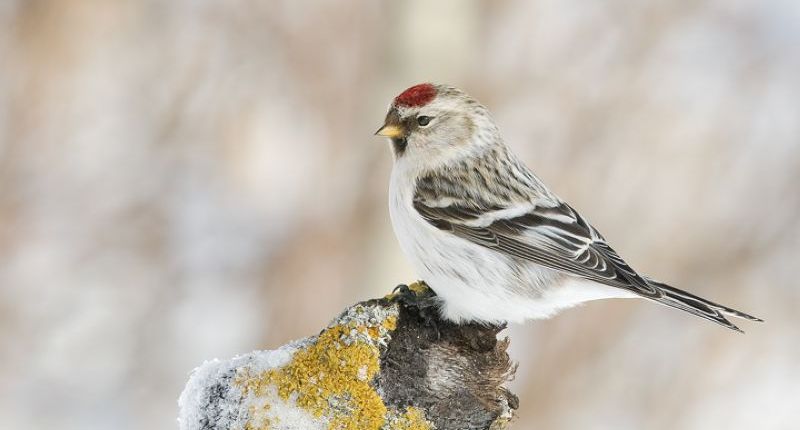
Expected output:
(182, 180)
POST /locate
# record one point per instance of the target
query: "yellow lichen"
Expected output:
(390, 323)
(500, 424)
(412, 419)
(330, 378)
(258, 418)
(419, 287)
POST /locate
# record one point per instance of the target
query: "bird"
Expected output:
(486, 234)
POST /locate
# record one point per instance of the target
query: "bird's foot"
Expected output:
(420, 297)
(418, 294)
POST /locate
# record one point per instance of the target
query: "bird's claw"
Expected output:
(400, 291)
(425, 303)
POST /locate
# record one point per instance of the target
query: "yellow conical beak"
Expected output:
(390, 131)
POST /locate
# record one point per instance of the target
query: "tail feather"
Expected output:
(699, 306)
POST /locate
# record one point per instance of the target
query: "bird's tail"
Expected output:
(699, 306)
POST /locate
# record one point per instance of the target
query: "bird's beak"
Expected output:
(390, 130)
(393, 127)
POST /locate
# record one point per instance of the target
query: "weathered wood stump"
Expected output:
(382, 364)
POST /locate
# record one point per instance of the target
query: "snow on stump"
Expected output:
(382, 364)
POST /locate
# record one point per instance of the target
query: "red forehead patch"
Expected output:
(418, 95)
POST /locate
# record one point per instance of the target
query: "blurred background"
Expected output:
(188, 179)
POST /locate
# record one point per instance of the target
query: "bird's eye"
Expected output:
(423, 120)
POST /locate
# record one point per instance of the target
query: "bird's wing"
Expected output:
(551, 234)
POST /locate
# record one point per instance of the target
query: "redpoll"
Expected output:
(486, 234)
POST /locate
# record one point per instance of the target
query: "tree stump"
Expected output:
(382, 364)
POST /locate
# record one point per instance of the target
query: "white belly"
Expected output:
(476, 283)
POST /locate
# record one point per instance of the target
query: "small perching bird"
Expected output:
(486, 234)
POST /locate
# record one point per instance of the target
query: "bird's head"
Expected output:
(436, 123)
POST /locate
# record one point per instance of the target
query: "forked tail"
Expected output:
(699, 306)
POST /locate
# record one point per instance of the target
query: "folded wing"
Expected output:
(555, 236)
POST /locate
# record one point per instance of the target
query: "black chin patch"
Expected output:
(399, 144)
